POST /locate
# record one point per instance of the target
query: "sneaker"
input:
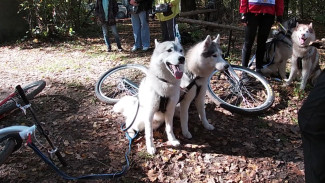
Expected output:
(134, 48)
(145, 48)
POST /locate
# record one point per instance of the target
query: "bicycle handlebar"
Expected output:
(22, 94)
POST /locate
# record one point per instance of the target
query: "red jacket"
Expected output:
(257, 6)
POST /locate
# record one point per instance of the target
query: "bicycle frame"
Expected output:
(26, 131)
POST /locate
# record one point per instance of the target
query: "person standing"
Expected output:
(258, 17)
(105, 11)
(140, 24)
(168, 22)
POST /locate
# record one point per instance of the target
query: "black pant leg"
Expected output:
(250, 33)
(164, 30)
(264, 27)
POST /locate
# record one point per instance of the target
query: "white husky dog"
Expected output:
(201, 60)
(158, 94)
(305, 58)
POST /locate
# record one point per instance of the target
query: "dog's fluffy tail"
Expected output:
(124, 104)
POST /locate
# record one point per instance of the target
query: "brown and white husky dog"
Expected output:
(305, 58)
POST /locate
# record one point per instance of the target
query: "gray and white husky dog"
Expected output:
(201, 60)
(158, 94)
(305, 58)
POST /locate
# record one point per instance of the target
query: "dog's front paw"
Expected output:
(174, 142)
(209, 126)
(187, 135)
(151, 150)
(286, 82)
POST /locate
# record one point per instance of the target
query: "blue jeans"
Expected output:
(141, 31)
(115, 34)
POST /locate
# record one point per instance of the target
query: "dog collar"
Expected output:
(163, 80)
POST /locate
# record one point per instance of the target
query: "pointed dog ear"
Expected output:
(310, 25)
(217, 40)
(176, 40)
(156, 42)
(207, 42)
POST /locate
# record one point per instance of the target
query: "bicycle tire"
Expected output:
(7, 147)
(119, 81)
(252, 97)
(31, 91)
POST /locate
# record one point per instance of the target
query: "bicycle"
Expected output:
(231, 93)
(11, 139)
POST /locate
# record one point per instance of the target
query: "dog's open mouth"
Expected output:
(175, 69)
(302, 40)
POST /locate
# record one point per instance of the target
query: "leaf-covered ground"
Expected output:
(265, 148)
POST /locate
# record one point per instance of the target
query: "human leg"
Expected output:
(265, 23)
(171, 33)
(116, 36)
(106, 37)
(250, 33)
(145, 32)
(136, 26)
(164, 31)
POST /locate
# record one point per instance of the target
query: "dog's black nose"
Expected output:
(226, 66)
(181, 60)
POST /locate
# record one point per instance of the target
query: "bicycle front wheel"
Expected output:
(31, 90)
(229, 90)
(7, 146)
(120, 81)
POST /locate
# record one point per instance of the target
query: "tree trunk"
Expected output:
(189, 5)
(301, 2)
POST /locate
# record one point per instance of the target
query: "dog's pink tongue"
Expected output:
(302, 41)
(178, 74)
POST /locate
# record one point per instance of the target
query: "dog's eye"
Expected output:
(215, 55)
(169, 50)
(181, 51)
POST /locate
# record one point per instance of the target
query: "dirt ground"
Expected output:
(264, 148)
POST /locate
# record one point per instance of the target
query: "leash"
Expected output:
(118, 174)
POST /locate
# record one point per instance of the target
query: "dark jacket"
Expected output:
(144, 5)
(112, 12)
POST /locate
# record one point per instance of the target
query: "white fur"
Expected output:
(301, 38)
(200, 66)
(151, 88)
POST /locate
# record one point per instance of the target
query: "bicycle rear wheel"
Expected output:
(7, 146)
(120, 81)
(228, 90)
(31, 90)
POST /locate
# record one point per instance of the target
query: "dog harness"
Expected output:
(188, 88)
(299, 59)
(163, 100)
(272, 45)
